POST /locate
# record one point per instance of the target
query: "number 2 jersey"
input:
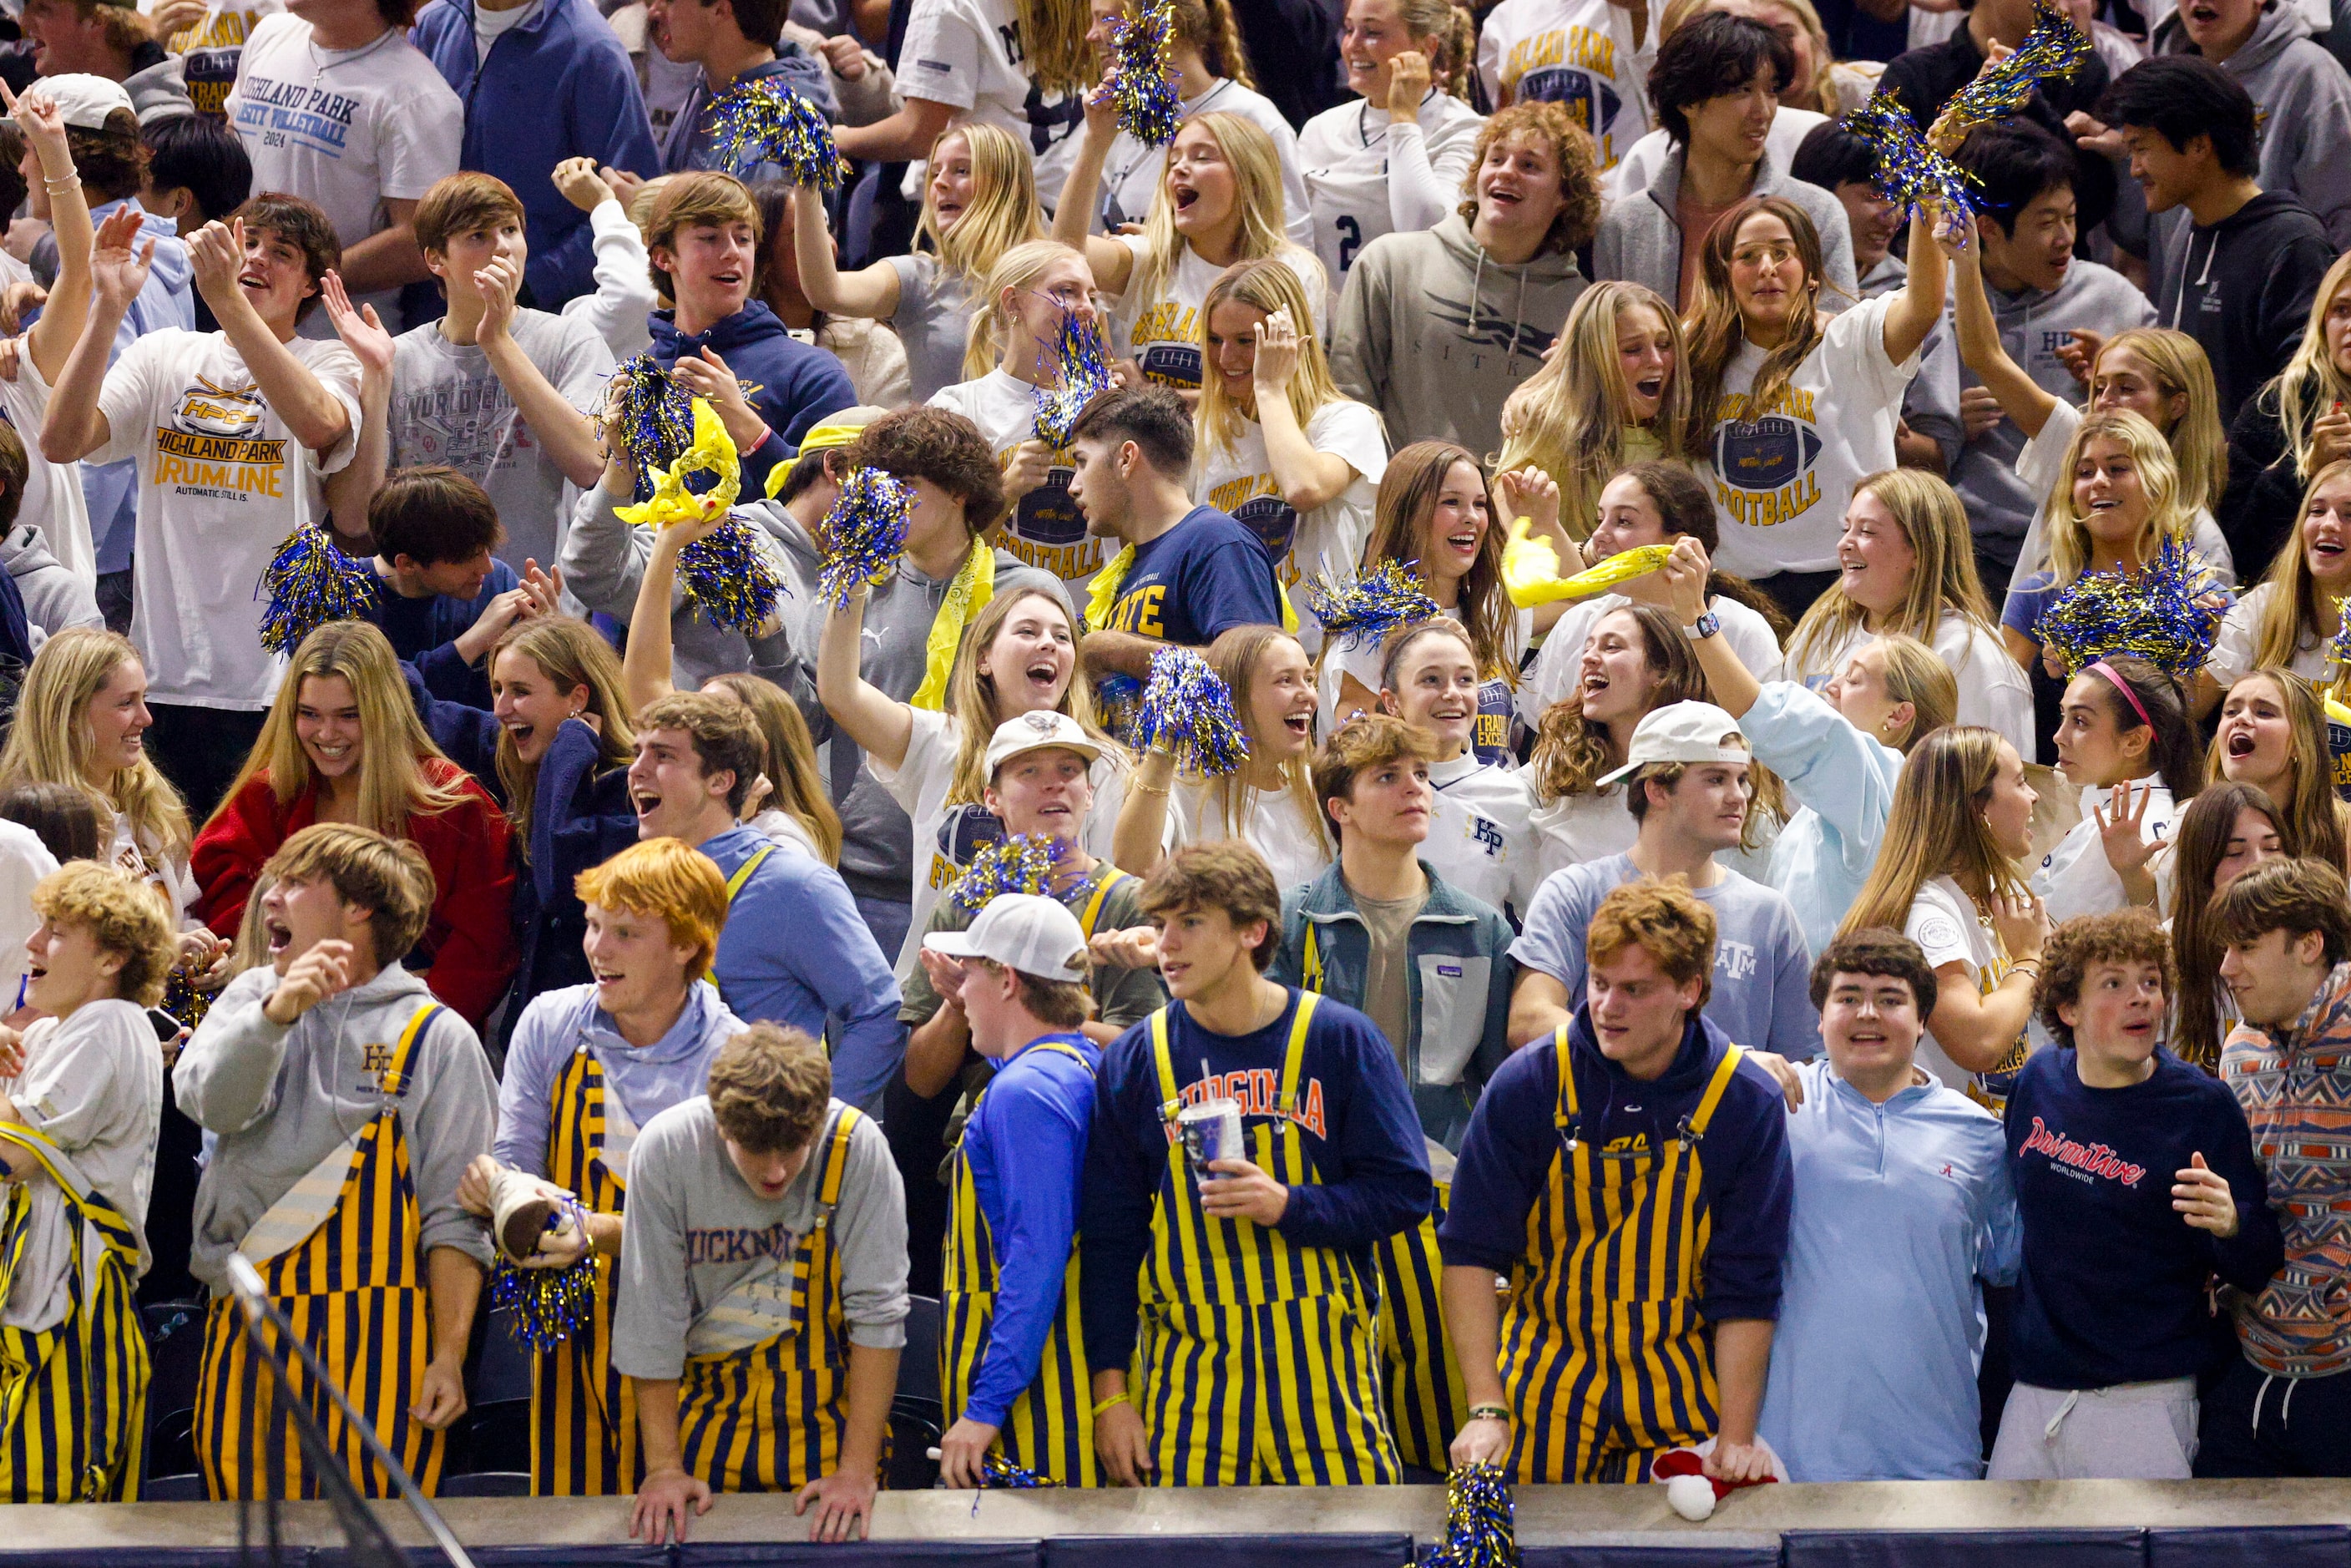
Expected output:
(1362, 182)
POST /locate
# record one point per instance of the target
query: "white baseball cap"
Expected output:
(1683, 732)
(1037, 732)
(1021, 931)
(83, 100)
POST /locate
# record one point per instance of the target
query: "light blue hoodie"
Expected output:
(1844, 782)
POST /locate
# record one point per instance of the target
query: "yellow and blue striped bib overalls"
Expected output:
(1258, 1360)
(1426, 1400)
(1051, 1427)
(768, 1418)
(1604, 1355)
(355, 1292)
(73, 1398)
(583, 1414)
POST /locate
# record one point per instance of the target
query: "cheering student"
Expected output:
(80, 1101)
(1880, 1149)
(441, 599)
(1481, 826)
(2288, 929)
(1635, 661)
(2298, 423)
(2125, 741)
(2272, 734)
(348, 1105)
(2094, 1127)
(762, 1300)
(2227, 830)
(588, 1067)
(795, 950)
(2290, 619)
(1330, 1166)
(1636, 1130)
(1838, 751)
(1430, 966)
(1688, 787)
(1011, 1345)
(293, 402)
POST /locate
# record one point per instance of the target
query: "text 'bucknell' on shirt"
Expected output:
(739, 1244)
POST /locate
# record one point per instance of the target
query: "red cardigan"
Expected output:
(468, 936)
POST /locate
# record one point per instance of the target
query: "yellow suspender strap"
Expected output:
(1066, 1049)
(405, 1050)
(1111, 877)
(1166, 1064)
(79, 1196)
(837, 1159)
(1310, 964)
(1714, 1090)
(1566, 1076)
(743, 873)
(1295, 1058)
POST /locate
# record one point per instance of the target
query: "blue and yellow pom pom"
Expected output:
(1085, 374)
(649, 415)
(2053, 48)
(547, 1306)
(1025, 863)
(863, 534)
(2167, 614)
(725, 574)
(1480, 1521)
(1186, 710)
(1138, 80)
(1909, 170)
(1366, 611)
(308, 583)
(756, 122)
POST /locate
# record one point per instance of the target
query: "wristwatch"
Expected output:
(1707, 625)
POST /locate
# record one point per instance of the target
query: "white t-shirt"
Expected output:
(1558, 663)
(1481, 838)
(1131, 173)
(2074, 879)
(947, 836)
(969, 54)
(1164, 334)
(93, 1083)
(1325, 545)
(1944, 923)
(222, 483)
(1782, 474)
(1344, 153)
(2241, 634)
(24, 860)
(1576, 52)
(1271, 823)
(1579, 828)
(2041, 463)
(1994, 690)
(53, 501)
(168, 877)
(1046, 530)
(346, 129)
(490, 26)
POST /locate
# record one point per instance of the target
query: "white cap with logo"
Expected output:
(1683, 732)
(83, 100)
(1042, 730)
(1023, 931)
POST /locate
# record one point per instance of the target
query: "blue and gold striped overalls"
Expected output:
(583, 1414)
(1051, 1427)
(73, 1398)
(1258, 1359)
(354, 1289)
(1605, 1357)
(767, 1417)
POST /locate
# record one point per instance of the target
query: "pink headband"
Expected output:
(2122, 687)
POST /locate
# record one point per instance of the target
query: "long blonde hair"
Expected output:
(2315, 811)
(1267, 285)
(2170, 518)
(1015, 269)
(1003, 211)
(1454, 30)
(1235, 656)
(1053, 36)
(51, 741)
(1568, 418)
(1257, 199)
(1715, 332)
(2311, 383)
(1916, 673)
(794, 787)
(571, 654)
(2198, 441)
(1935, 521)
(2290, 610)
(394, 785)
(972, 699)
(1935, 828)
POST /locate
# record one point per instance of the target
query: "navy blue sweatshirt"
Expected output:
(2113, 1283)
(793, 384)
(1355, 1118)
(421, 630)
(1746, 1183)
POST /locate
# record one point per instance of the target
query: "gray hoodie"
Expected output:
(877, 838)
(160, 91)
(54, 597)
(2302, 114)
(1640, 238)
(1435, 333)
(282, 1098)
(2032, 326)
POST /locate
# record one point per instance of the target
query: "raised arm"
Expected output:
(1309, 479)
(1734, 685)
(52, 336)
(2019, 396)
(905, 136)
(315, 416)
(350, 491)
(1112, 263)
(645, 667)
(1138, 838)
(569, 435)
(75, 426)
(872, 292)
(1920, 306)
(881, 725)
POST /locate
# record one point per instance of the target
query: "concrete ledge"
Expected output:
(1548, 1516)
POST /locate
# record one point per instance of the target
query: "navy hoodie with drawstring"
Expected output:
(2242, 288)
(793, 385)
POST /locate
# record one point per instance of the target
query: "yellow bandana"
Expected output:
(1103, 595)
(817, 440)
(967, 595)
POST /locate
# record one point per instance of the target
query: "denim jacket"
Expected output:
(1460, 982)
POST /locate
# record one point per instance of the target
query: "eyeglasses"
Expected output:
(1763, 255)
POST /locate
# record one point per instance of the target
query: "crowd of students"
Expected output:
(1785, 1006)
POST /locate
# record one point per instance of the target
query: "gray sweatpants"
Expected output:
(2132, 1431)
